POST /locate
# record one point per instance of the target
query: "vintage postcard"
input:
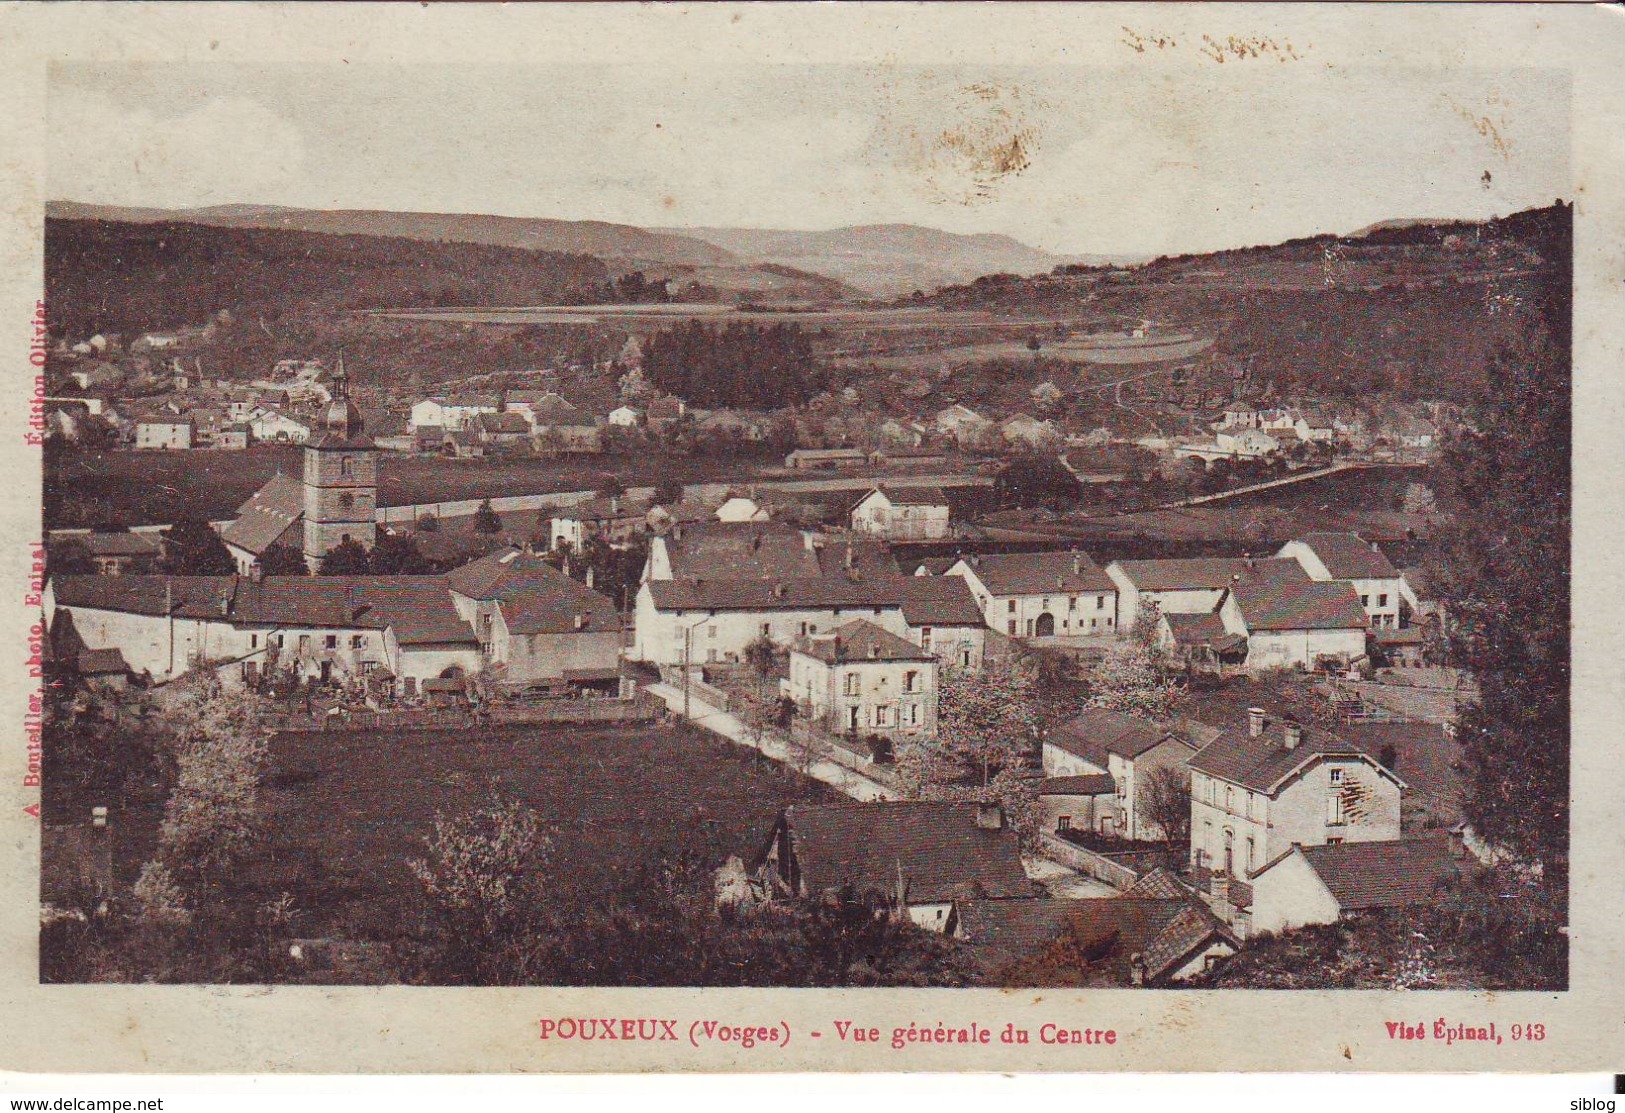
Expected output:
(848, 537)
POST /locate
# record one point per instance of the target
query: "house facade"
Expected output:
(860, 679)
(161, 432)
(1257, 792)
(452, 413)
(1040, 595)
(1323, 884)
(902, 514)
(1348, 558)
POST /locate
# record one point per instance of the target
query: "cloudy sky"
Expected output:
(1070, 159)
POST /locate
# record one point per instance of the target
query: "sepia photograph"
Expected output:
(693, 521)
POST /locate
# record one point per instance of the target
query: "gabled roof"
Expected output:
(1084, 784)
(859, 641)
(1264, 763)
(1196, 629)
(906, 496)
(1387, 874)
(117, 544)
(1038, 573)
(1279, 595)
(1163, 933)
(502, 423)
(742, 550)
(937, 848)
(1198, 574)
(924, 600)
(864, 556)
(534, 597)
(273, 511)
(556, 411)
(1348, 557)
(1096, 732)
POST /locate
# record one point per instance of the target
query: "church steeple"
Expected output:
(343, 418)
(341, 476)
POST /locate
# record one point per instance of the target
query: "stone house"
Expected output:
(902, 513)
(860, 679)
(1041, 595)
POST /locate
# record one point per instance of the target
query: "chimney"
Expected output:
(1219, 886)
(581, 622)
(677, 532)
(849, 556)
(1136, 965)
(1291, 734)
(98, 817)
(1077, 564)
(989, 816)
(256, 573)
(589, 576)
(1458, 841)
(1255, 721)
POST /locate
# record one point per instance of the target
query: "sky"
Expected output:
(1073, 160)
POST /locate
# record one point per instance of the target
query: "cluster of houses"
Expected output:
(1247, 432)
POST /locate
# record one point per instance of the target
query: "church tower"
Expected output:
(341, 478)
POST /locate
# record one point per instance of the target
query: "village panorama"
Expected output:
(870, 607)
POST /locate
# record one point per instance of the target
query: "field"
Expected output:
(348, 811)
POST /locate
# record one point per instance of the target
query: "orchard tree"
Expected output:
(396, 554)
(1134, 676)
(1165, 802)
(988, 730)
(481, 882)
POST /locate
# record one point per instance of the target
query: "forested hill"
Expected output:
(1416, 310)
(111, 276)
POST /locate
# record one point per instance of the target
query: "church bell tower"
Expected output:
(341, 478)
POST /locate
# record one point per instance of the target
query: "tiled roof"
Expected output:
(1096, 732)
(502, 423)
(1159, 884)
(937, 848)
(273, 511)
(1086, 784)
(911, 496)
(1388, 874)
(1262, 763)
(859, 641)
(1348, 557)
(1163, 933)
(741, 550)
(418, 607)
(118, 544)
(1195, 629)
(924, 600)
(869, 557)
(535, 597)
(1037, 573)
(1279, 595)
(1199, 574)
(664, 409)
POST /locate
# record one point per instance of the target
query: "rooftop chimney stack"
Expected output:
(1292, 734)
(1255, 721)
(98, 816)
(1219, 887)
(256, 572)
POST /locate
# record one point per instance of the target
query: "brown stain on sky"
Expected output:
(1493, 129)
(991, 135)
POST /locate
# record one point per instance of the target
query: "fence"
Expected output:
(642, 708)
(1097, 866)
(825, 746)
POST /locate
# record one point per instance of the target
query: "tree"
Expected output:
(481, 882)
(211, 823)
(762, 656)
(283, 560)
(1133, 678)
(610, 487)
(193, 548)
(396, 554)
(1165, 803)
(486, 520)
(988, 727)
(347, 558)
(428, 523)
(1034, 479)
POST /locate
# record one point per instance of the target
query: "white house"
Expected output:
(902, 513)
(1041, 595)
(860, 679)
(713, 620)
(271, 425)
(738, 508)
(1322, 884)
(452, 413)
(382, 632)
(1257, 791)
(1195, 586)
(1347, 558)
(164, 431)
(626, 417)
(1291, 621)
